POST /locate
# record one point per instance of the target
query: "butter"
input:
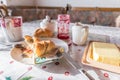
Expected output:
(106, 53)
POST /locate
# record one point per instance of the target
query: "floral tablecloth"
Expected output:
(59, 69)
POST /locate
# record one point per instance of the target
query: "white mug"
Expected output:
(12, 28)
(79, 34)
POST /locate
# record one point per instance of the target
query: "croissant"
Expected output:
(28, 40)
(39, 47)
(43, 33)
(43, 47)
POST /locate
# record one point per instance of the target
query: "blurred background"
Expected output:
(96, 12)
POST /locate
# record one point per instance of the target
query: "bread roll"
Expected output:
(43, 33)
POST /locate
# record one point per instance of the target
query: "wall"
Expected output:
(58, 3)
(62, 3)
(95, 3)
(19, 2)
(80, 3)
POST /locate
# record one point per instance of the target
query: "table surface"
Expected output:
(58, 70)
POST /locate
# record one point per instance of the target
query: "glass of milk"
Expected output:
(12, 28)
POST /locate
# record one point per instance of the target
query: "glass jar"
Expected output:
(63, 23)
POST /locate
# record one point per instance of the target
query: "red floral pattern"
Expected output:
(57, 63)
(11, 62)
(106, 74)
(29, 68)
(17, 22)
(67, 73)
(50, 78)
(1, 72)
(43, 67)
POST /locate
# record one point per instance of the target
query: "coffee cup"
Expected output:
(12, 28)
(79, 34)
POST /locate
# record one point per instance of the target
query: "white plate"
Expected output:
(16, 53)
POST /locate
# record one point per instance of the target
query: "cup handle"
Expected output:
(85, 35)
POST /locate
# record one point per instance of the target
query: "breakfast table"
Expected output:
(11, 69)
